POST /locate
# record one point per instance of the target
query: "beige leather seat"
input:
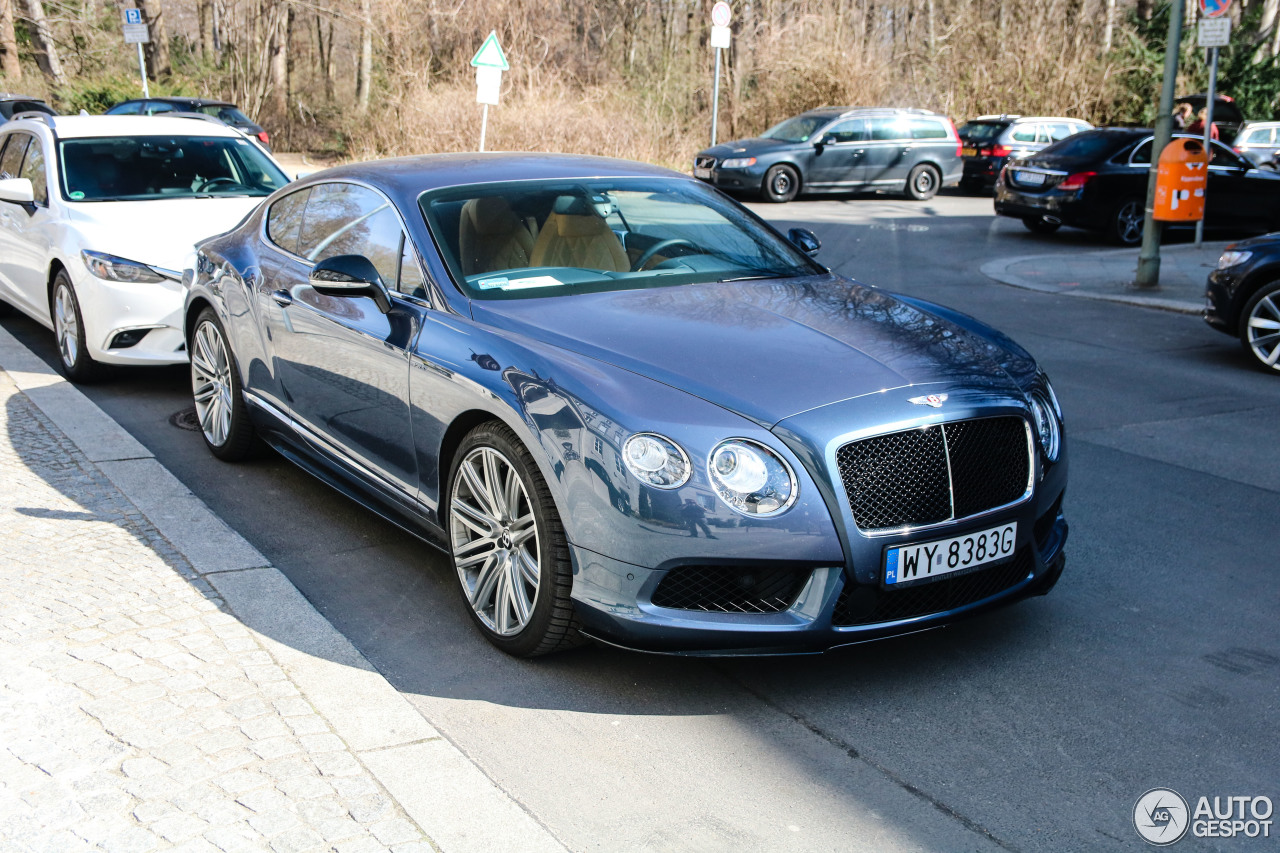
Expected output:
(491, 237)
(575, 235)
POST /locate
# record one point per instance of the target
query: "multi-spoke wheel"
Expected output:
(1260, 326)
(68, 325)
(1125, 225)
(509, 547)
(215, 385)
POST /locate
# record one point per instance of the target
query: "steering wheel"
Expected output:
(647, 254)
(213, 182)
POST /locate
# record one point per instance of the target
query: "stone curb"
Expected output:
(438, 786)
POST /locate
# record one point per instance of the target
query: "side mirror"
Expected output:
(826, 139)
(805, 240)
(350, 276)
(17, 190)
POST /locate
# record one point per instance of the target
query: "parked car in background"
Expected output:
(568, 371)
(1259, 141)
(1226, 113)
(1098, 180)
(225, 112)
(1243, 298)
(991, 141)
(11, 105)
(839, 149)
(99, 215)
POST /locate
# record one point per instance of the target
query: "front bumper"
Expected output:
(750, 179)
(109, 308)
(1219, 299)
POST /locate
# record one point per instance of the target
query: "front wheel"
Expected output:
(781, 183)
(215, 386)
(68, 326)
(923, 182)
(509, 547)
(1260, 326)
(1125, 224)
(1040, 225)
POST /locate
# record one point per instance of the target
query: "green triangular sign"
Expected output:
(490, 54)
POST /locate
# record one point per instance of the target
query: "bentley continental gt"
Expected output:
(627, 408)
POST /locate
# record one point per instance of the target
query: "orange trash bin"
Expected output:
(1182, 174)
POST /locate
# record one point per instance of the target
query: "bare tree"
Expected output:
(158, 48)
(9, 64)
(42, 41)
(363, 81)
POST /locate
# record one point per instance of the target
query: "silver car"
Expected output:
(1259, 141)
(991, 141)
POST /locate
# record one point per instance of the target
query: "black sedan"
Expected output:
(1098, 180)
(225, 112)
(1243, 297)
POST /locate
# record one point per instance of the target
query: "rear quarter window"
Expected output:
(926, 128)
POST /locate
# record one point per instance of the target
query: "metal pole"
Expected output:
(715, 100)
(1149, 257)
(484, 125)
(1208, 128)
(142, 68)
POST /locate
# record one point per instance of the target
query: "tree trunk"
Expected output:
(1109, 27)
(42, 41)
(278, 59)
(1146, 8)
(9, 64)
(1266, 25)
(363, 81)
(325, 49)
(158, 48)
(205, 15)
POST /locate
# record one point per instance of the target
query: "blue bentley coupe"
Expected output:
(627, 408)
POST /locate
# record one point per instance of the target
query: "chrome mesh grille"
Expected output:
(935, 474)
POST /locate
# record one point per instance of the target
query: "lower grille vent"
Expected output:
(729, 589)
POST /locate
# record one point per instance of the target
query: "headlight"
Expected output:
(737, 162)
(112, 268)
(751, 478)
(1232, 258)
(1044, 411)
(656, 460)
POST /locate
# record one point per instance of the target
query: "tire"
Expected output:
(781, 184)
(215, 387)
(68, 325)
(1260, 327)
(509, 547)
(923, 182)
(1037, 225)
(1124, 225)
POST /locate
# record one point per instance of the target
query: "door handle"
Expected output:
(282, 298)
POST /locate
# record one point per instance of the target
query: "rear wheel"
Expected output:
(1040, 225)
(923, 182)
(509, 547)
(1124, 226)
(1260, 326)
(781, 183)
(68, 326)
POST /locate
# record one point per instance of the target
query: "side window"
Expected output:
(1024, 133)
(925, 128)
(1142, 156)
(156, 107)
(345, 219)
(130, 109)
(1060, 131)
(33, 170)
(1224, 156)
(849, 130)
(11, 159)
(889, 128)
(285, 218)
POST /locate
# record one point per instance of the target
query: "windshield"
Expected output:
(552, 238)
(142, 168)
(797, 129)
(982, 131)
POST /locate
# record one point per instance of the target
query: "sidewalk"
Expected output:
(163, 687)
(1109, 275)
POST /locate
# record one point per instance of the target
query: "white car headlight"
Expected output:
(737, 162)
(750, 478)
(1232, 258)
(111, 268)
(656, 460)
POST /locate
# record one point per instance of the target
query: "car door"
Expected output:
(342, 364)
(27, 241)
(13, 147)
(838, 162)
(1239, 195)
(889, 151)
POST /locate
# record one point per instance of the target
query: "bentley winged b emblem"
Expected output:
(935, 400)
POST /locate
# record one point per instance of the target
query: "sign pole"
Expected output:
(142, 68)
(715, 100)
(1149, 257)
(721, 38)
(484, 125)
(1208, 125)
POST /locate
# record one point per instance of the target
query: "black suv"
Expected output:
(840, 149)
(225, 112)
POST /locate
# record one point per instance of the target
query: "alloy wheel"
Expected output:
(66, 326)
(495, 541)
(211, 383)
(1263, 334)
(1129, 222)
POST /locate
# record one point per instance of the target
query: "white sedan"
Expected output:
(98, 217)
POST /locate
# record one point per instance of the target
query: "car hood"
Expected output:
(753, 147)
(161, 232)
(766, 349)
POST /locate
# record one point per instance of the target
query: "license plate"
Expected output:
(925, 561)
(702, 173)
(1034, 179)
(969, 152)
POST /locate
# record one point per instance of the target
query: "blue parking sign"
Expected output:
(133, 16)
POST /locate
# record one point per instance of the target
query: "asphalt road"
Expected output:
(1155, 662)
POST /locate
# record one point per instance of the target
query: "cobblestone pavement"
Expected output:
(136, 714)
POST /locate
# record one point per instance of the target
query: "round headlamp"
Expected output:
(656, 460)
(751, 478)
(1048, 427)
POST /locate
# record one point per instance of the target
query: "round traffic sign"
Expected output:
(720, 14)
(1213, 8)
